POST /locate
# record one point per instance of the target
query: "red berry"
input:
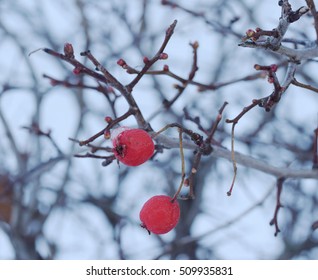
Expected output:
(159, 215)
(132, 146)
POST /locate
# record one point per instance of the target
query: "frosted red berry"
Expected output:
(159, 214)
(132, 147)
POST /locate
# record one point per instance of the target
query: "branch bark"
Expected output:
(244, 160)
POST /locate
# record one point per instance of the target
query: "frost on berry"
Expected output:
(159, 214)
(132, 147)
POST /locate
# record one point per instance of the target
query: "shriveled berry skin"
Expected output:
(159, 215)
(133, 147)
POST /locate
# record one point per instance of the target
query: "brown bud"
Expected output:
(166, 68)
(146, 60)
(195, 45)
(107, 134)
(77, 70)
(274, 67)
(121, 62)
(250, 33)
(108, 119)
(68, 50)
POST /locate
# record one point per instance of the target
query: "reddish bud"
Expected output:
(274, 67)
(68, 50)
(146, 59)
(163, 56)
(77, 70)
(250, 33)
(257, 67)
(121, 62)
(107, 134)
(270, 80)
(195, 45)
(53, 82)
(166, 68)
(108, 119)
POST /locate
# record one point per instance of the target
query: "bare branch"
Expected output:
(311, 5)
(274, 221)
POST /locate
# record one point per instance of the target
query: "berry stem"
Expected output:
(274, 221)
(216, 123)
(229, 193)
(182, 167)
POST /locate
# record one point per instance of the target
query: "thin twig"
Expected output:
(169, 33)
(315, 150)
(229, 193)
(216, 123)
(299, 84)
(107, 128)
(182, 167)
(311, 5)
(274, 221)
